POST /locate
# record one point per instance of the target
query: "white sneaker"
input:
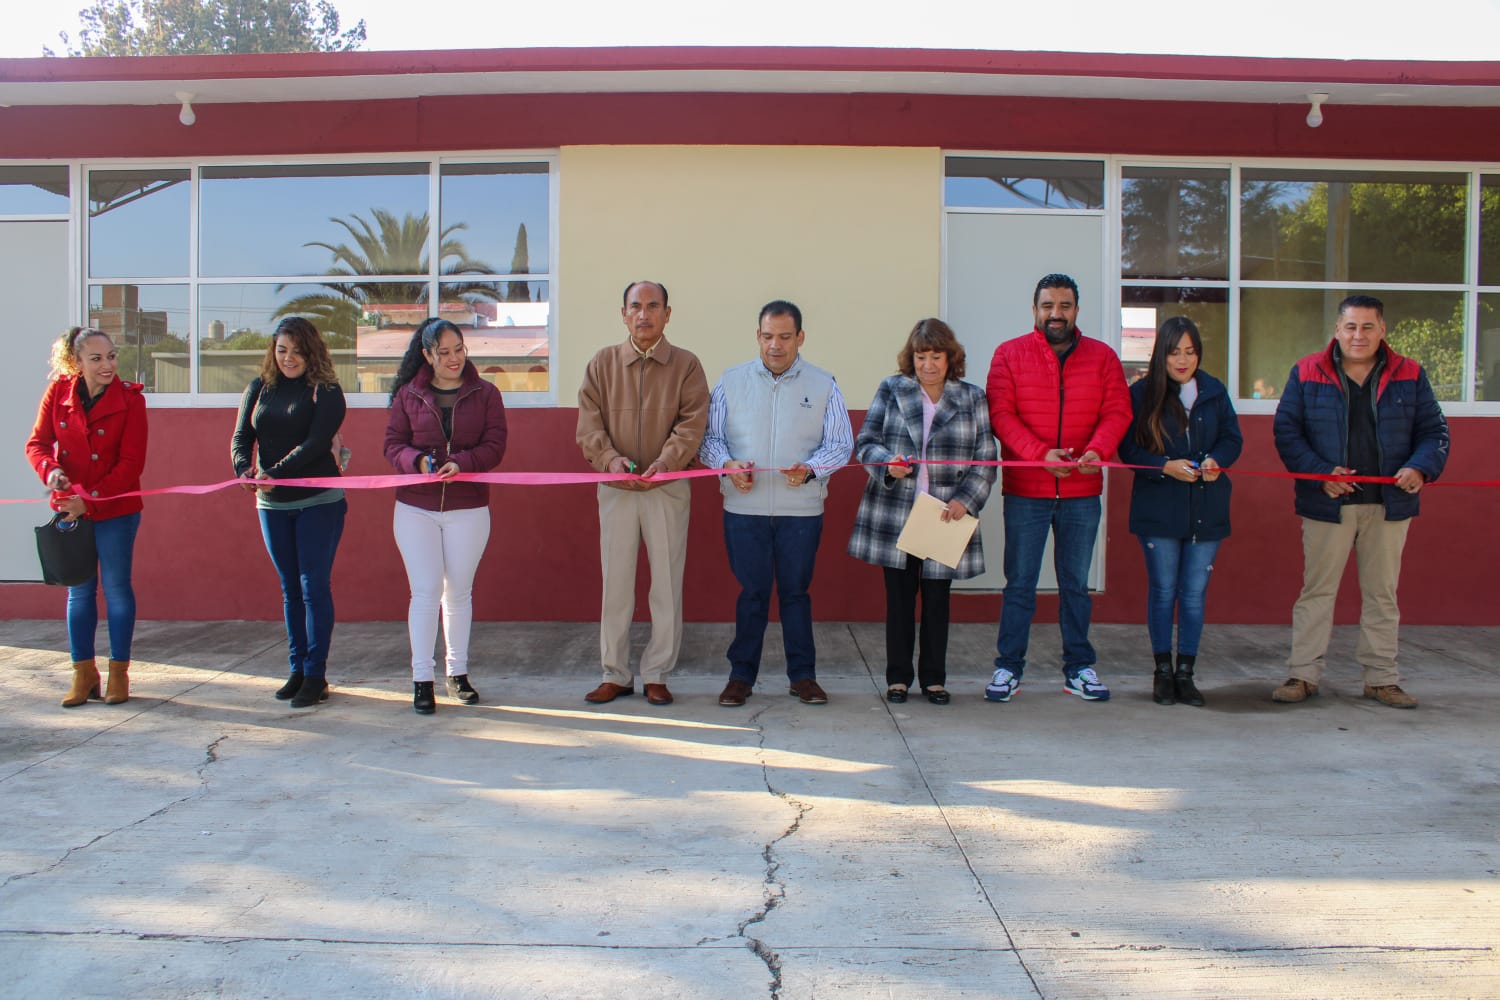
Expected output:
(1002, 685)
(1086, 685)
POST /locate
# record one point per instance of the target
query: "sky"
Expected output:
(1340, 29)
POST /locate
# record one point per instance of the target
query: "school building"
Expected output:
(185, 204)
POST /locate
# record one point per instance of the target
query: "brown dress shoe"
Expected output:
(734, 694)
(1294, 690)
(657, 694)
(808, 691)
(607, 692)
(1392, 695)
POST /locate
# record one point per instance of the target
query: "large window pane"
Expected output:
(1144, 310)
(505, 329)
(33, 190)
(494, 218)
(1278, 326)
(149, 325)
(236, 322)
(1489, 229)
(1356, 226)
(1487, 364)
(994, 182)
(138, 223)
(1174, 223)
(355, 218)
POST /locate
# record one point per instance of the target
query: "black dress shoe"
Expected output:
(895, 695)
(1187, 692)
(938, 696)
(310, 692)
(1164, 686)
(422, 700)
(458, 687)
(288, 690)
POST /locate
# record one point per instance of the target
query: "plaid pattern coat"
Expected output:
(893, 426)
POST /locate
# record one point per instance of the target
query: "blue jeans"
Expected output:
(115, 540)
(302, 544)
(1074, 523)
(1177, 572)
(764, 550)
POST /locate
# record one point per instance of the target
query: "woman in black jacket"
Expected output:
(1185, 430)
(288, 422)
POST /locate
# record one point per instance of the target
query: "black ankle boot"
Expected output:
(288, 690)
(1163, 690)
(311, 691)
(1187, 691)
(458, 687)
(422, 700)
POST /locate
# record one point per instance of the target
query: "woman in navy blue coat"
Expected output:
(1186, 432)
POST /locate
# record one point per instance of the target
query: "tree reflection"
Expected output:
(386, 246)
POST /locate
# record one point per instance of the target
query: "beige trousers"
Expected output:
(659, 518)
(1377, 545)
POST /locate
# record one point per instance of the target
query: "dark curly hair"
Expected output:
(309, 344)
(423, 338)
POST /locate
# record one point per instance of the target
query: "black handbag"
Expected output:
(67, 552)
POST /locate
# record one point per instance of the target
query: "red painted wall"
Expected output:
(540, 121)
(201, 558)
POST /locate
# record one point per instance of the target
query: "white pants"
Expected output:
(441, 551)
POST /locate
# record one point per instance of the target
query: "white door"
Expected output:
(991, 268)
(34, 287)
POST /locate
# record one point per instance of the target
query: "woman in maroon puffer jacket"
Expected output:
(445, 419)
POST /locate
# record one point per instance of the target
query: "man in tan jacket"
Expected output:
(642, 409)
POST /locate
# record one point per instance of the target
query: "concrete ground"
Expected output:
(205, 840)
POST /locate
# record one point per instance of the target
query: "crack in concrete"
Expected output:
(942, 812)
(773, 885)
(896, 949)
(210, 757)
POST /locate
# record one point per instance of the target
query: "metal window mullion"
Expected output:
(434, 237)
(1234, 284)
(1471, 296)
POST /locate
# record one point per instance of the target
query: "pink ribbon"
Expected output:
(586, 478)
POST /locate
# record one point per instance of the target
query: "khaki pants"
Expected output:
(659, 518)
(1377, 544)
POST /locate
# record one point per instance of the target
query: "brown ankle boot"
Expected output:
(85, 684)
(117, 688)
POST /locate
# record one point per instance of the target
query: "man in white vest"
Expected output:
(781, 424)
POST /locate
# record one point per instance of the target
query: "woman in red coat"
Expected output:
(89, 444)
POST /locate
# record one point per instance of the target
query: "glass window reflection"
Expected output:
(350, 218)
(494, 218)
(1489, 229)
(1144, 310)
(1357, 226)
(1174, 223)
(149, 325)
(1280, 325)
(33, 190)
(505, 325)
(997, 182)
(1487, 363)
(138, 223)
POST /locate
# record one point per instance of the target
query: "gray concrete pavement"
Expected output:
(204, 840)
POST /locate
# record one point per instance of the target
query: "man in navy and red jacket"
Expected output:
(1356, 407)
(1055, 396)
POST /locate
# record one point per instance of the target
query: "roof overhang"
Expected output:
(369, 76)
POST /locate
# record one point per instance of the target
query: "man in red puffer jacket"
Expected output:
(1055, 396)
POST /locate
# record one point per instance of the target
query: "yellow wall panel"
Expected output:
(852, 235)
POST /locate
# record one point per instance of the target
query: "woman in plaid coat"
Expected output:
(924, 415)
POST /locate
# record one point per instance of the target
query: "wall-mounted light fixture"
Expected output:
(1315, 113)
(186, 115)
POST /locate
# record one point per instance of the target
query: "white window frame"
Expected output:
(79, 279)
(1114, 166)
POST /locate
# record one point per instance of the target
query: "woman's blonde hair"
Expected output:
(67, 349)
(309, 344)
